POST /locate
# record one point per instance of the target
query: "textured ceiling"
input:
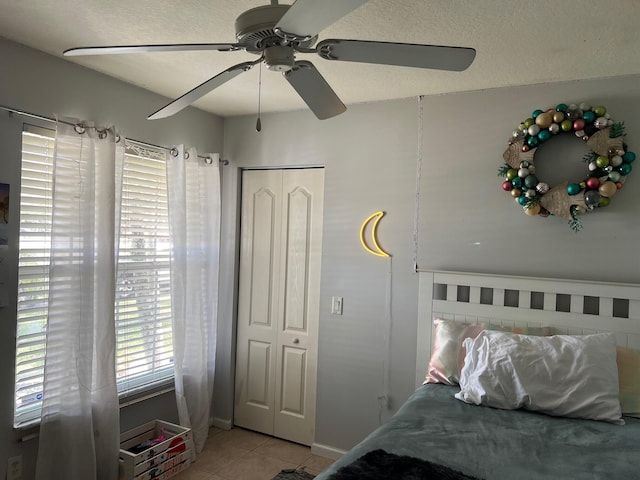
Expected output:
(517, 42)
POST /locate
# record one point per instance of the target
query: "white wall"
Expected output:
(47, 86)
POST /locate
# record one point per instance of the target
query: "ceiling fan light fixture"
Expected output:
(279, 58)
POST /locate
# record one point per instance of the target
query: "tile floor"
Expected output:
(239, 454)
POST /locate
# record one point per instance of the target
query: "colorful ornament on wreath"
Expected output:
(609, 162)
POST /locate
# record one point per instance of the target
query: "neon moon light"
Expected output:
(377, 250)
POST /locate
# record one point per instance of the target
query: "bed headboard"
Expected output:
(571, 306)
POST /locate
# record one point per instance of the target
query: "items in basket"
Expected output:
(149, 443)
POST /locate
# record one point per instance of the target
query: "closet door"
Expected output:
(281, 237)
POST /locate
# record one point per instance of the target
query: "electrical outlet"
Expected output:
(14, 468)
(336, 305)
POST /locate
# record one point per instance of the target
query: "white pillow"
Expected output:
(561, 375)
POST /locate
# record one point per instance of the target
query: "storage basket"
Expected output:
(157, 450)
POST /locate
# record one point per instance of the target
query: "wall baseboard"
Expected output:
(221, 423)
(327, 451)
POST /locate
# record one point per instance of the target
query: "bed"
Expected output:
(450, 429)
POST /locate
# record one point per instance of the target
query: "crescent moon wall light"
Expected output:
(374, 219)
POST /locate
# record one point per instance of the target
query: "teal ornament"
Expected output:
(573, 189)
(536, 113)
(522, 200)
(629, 157)
(625, 168)
(516, 182)
(589, 116)
(533, 142)
(530, 181)
(544, 135)
(561, 107)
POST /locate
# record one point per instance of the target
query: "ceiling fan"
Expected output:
(277, 32)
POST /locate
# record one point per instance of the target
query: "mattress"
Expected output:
(494, 444)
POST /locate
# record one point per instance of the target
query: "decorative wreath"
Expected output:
(609, 162)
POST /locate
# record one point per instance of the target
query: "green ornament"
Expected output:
(604, 201)
(528, 122)
(599, 110)
(602, 162)
(512, 173)
(566, 125)
(561, 107)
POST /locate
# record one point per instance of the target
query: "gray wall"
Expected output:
(469, 223)
(44, 85)
(370, 155)
(466, 222)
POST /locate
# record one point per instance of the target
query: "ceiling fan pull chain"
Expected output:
(258, 122)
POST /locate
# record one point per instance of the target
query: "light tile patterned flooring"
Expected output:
(239, 454)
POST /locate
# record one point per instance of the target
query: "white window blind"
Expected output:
(144, 351)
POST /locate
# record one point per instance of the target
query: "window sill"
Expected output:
(30, 429)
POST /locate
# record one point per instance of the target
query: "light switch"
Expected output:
(336, 305)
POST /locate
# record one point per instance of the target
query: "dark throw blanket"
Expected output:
(380, 465)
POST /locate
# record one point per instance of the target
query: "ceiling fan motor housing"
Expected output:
(255, 29)
(255, 26)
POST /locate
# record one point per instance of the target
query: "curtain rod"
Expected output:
(146, 144)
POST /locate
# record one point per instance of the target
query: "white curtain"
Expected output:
(194, 219)
(79, 433)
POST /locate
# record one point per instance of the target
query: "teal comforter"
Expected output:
(494, 444)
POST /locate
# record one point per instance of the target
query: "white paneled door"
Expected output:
(277, 334)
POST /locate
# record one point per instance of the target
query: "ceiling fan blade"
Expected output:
(435, 57)
(314, 90)
(201, 90)
(184, 47)
(308, 17)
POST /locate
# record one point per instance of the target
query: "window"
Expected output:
(144, 350)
